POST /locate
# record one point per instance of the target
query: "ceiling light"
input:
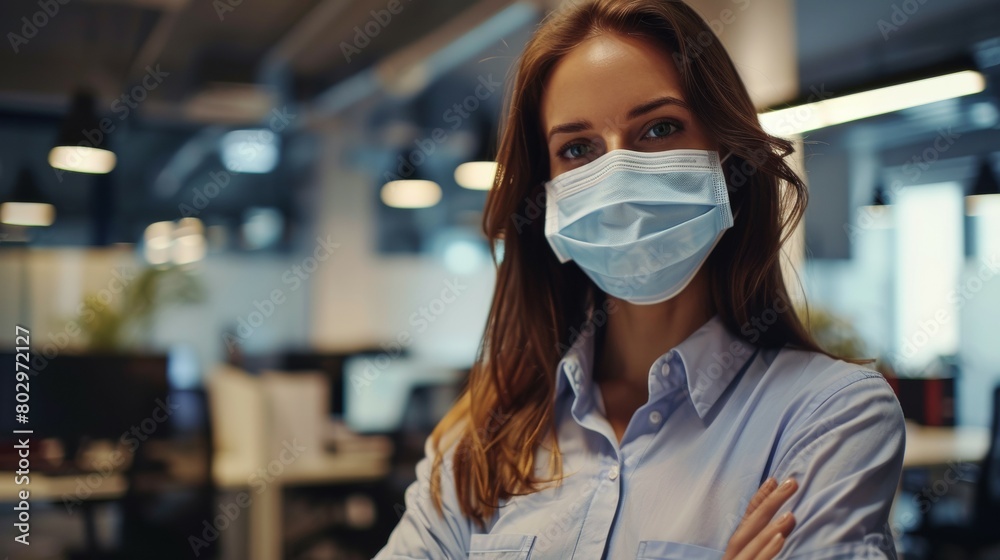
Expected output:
(27, 205)
(411, 193)
(188, 249)
(27, 214)
(262, 227)
(180, 243)
(250, 151)
(985, 191)
(476, 175)
(75, 148)
(877, 208)
(839, 110)
(879, 198)
(187, 241)
(157, 241)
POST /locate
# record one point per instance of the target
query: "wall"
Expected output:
(364, 297)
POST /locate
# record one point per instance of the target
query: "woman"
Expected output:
(643, 381)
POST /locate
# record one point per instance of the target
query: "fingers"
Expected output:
(754, 532)
(772, 548)
(765, 489)
(758, 517)
(772, 535)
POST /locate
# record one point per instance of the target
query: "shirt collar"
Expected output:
(705, 362)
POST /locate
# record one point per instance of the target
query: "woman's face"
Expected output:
(613, 92)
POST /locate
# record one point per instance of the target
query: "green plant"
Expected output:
(126, 320)
(834, 334)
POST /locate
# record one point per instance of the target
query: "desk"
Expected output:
(358, 465)
(101, 482)
(83, 490)
(935, 447)
(55, 488)
(265, 518)
(928, 446)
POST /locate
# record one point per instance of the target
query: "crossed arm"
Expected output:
(843, 455)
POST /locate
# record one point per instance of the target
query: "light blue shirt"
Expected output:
(722, 416)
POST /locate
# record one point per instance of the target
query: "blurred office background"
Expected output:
(251, 301)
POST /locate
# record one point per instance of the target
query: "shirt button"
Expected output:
(665, 369)
(655, 417)
(613, 473)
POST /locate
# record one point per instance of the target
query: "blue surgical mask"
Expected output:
(639, 224)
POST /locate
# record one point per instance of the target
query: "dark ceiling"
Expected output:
(248, 53)
(173, 76)
(225, 63)
(251, 54)
(847, 42)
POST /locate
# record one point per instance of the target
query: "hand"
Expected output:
(755, 538)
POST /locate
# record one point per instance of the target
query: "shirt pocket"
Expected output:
(667, 550)
(500, 546)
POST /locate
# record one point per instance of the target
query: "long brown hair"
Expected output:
(506, 410)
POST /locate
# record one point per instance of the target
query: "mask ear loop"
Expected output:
(721, 161)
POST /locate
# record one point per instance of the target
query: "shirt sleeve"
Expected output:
(421, 532)
(846, 453)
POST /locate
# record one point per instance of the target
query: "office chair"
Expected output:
(160, 512)
(982, 530)
(424, 407)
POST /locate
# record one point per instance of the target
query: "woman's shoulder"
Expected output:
(829, 404)
(816, 370)
(814, 381)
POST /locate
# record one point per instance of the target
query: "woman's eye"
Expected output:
(660, 130)
(575, 151)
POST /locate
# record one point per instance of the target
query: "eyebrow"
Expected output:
(641, 110)
(635, 112)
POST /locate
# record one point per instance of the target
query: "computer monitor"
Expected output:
(332, 365)
(79, 397)
(383, 395)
